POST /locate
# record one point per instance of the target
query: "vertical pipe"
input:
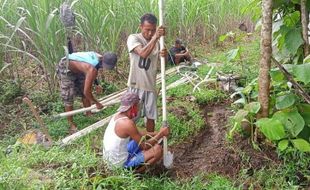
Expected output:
(163, 77)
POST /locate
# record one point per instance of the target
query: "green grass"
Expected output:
(78, 166)
(31, 29)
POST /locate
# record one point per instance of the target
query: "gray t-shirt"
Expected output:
(142, 74)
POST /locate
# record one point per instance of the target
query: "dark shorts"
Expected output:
(135, 155)
(71, 84)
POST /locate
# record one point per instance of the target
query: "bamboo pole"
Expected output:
(108, 100)
(167, 156)
(85, 131)
(101, 123)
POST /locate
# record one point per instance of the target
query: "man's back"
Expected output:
(114, 147)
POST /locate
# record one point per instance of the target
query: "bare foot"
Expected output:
(73, 129)
(88, 114)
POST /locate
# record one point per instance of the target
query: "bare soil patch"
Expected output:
(210, 152)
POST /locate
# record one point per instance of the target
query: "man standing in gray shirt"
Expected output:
(144, 56)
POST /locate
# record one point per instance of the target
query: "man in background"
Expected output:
(179, 53)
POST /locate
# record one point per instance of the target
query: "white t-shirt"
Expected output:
(114, 147)
(142, 74)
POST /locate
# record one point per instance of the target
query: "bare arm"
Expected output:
(90, 76)
(145, 51)
(146, 133)
(134, 133)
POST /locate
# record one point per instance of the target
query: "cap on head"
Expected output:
(128, 100)
(109, 60)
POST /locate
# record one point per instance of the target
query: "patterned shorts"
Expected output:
(71, 84)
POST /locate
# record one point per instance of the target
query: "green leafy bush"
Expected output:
(206, 96)
(9, 90)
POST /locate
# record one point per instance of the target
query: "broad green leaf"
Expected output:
(239, 101)
(304, 110)
(233, 54)
(305, 133)
(271, 128)
(254, 95)
(283, 145)
(293, 40)
(241, 114)
(302, 72)
(288, 67)
(292, 121)
(281, 38)
(301, 144)
(247, 90)
(252, 107)
(291, 20)
(277, 75)
(285, 101)
(222, 38)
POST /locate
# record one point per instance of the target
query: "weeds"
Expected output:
(9, 90)
(32, 29)
(204, 97)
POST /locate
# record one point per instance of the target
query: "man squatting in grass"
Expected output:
(144, 56)
(179, 53)
(124, 145)
(77, 74)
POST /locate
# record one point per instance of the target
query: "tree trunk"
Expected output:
(305, 22)
(266, 51)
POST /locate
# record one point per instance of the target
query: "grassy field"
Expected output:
(32, 34)
(32, 39)
(80, 166)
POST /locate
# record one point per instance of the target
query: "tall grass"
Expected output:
(203, 20)
(32, 28)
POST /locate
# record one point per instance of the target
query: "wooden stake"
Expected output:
(38, 118)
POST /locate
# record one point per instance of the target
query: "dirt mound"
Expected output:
(209, 152)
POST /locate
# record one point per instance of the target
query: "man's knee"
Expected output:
(158, 151)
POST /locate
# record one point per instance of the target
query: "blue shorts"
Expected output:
(135, 155)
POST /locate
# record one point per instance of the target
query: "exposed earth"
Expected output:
(210, 152)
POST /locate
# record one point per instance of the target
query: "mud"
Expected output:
(210, 152)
